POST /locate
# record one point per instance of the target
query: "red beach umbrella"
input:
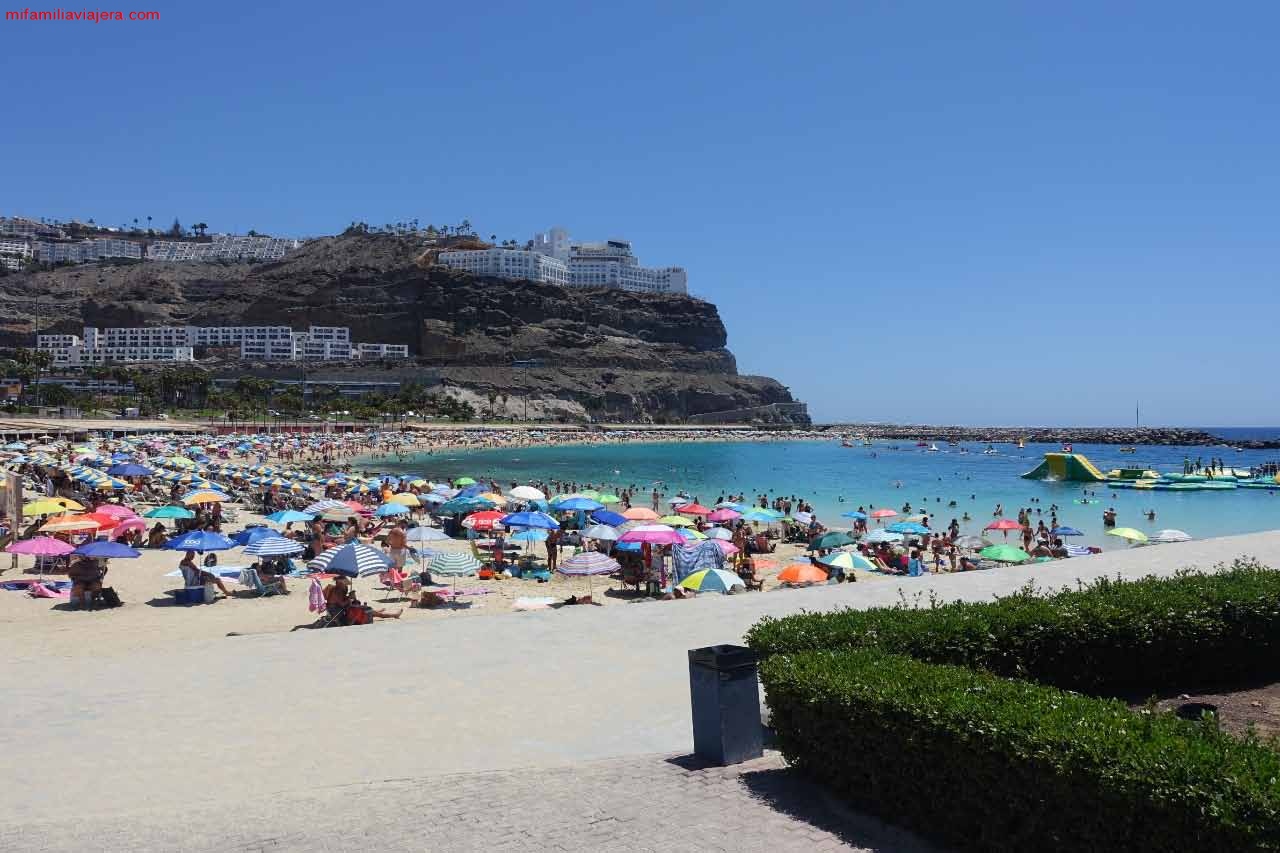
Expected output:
(693, 509)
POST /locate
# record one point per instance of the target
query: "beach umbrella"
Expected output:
(406, 498)
(834, 539)
(883, 513)
(1065, 531)
(389, 509)
(1003, 524)
(604, 516)
(693, 509)
(66, 523)
(458, 505)
(884, 536)
(529, 534)
(640, 513)
(690, 534)
(102, 549)
(654, 534)
(848, 560)
(252, 534)
(720, 533)
(464, 481)
(725, 514)
(51, 506)
(1128, 533)
(759, 514)
(204, 496)
(609, 499)
(117, 511)
(801, 573)
(802, 517)
(726, 548)
(861, 516)
(970, 542)
(426, 534)
(432, 498)
(453, 565)
(320, 507)
(287, 516)
(530, 519)
(712, 580)
(601, 532)
(352, 559)
(527, 493)
(910, 528)
(40, 546)
(1171, 536)
(274, 546)
(1004, 554)
(200, 540)
(130, 469)
(169, 512)
(484, 520)
(675, 521)
(577, 503)
(590, 564)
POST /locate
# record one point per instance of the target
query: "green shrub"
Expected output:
(985, 763)
(1181, 631)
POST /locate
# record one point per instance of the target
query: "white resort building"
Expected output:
(178, 343)
(552, 258)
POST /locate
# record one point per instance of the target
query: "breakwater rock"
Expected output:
(1045, 435)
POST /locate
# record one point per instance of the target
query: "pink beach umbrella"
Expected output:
(40, 546)
(723, 515)
(728, 548)
(654, 534)
(126, 525)
(115, 511)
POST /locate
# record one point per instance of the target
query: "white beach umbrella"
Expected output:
(601, 531)
(426, 534)
(527, 493)
(719, 533)
(1171, 536)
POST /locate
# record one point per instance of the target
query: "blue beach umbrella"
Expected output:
(576, 504)
(604, 516)
(1065, 531)
(200, 540)
(102, 549)
(169, 512)
(532, 534)
(130, 469)
(530, 519)
(910, 528)
(253, 534)
(286, 516)
(389, 509)
(861, 516)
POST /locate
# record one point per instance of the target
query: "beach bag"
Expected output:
(109, 598)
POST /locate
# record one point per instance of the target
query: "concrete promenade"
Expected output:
(230, 725)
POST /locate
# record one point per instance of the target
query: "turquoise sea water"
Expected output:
(836, 479)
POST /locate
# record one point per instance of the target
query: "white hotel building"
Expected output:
(555, 260)
(178, 343)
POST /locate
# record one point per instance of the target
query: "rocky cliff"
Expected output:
(605, 352)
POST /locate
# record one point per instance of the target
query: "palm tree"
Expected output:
(148, 224)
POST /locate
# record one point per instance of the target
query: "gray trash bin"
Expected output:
(725, 693)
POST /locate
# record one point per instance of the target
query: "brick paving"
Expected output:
(647, 803)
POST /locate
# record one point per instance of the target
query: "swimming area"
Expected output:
(837, 479)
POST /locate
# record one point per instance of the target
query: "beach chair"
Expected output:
(256, 584)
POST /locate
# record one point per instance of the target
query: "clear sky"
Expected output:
(989, 212)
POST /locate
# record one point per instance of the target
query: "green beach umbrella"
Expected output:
(848, 560)
(1004, 554)
(609, 499)
(1128, 533)
(464, 481)
(834, 539)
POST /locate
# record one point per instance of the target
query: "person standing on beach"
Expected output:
(654, 498)
(553, 549)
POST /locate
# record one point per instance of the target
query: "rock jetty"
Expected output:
(1046, 435)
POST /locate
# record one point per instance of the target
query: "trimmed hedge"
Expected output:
(1105, 637)
(985, 763)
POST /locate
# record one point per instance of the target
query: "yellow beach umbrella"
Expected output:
(205, 497)
(406, 498)
(51, 506)
(497, 499)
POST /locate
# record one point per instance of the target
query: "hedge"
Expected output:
(1109, 636)
(985, 763)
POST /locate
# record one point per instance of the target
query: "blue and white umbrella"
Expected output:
(883, 535)
(352, 559)
(426, 534)
(274, 546)
(453, 564)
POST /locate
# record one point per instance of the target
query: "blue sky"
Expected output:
(930, 212)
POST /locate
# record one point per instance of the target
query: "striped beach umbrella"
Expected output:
(274, 546)
(588, 563)
(453, 564)
(352, 559)
(320, 507)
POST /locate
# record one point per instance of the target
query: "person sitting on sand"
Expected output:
(156, 536)
(339, 596)
(86, 576)
(193, 575)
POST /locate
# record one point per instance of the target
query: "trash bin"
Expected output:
(725, 693)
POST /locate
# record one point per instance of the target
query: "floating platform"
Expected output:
(1076, 468)
(1068, 467)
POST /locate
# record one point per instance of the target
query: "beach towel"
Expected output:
(533, 603)
(315, 597)
(695, 557)
(39, 590)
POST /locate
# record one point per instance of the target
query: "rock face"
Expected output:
(606, 353)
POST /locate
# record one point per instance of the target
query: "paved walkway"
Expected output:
(648, 803)
(528, 692)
